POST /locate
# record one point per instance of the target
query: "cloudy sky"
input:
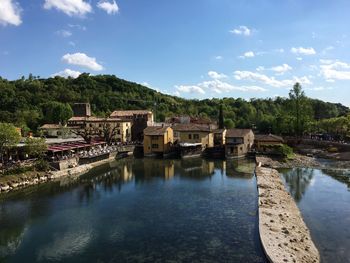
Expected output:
(194, 49)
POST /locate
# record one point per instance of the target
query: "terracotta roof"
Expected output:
(51, 126)
(129, 113)
(191, 127)
(155, 130)
(268, 138)
(233, 133)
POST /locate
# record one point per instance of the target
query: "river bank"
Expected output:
(11, 183)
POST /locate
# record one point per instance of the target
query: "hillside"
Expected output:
(25, 102)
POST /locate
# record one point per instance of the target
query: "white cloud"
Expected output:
(67, 73)
(279, 50)
(241, 30)
(81, 59)
(248, 54)
(69, 7)
(326, 50)
(271, 81)
(282, 68)
(189, 89)
(299, 58)
(335, 70)
(10, 13)
(64, 33)
(215, 85)
(303, 51)
(109, 7)
(77, 26)
(218, 57)
(71, 43)
(215, 75)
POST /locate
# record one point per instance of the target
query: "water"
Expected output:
(137, 211)
(323, 197)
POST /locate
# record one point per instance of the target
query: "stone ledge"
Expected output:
(283, 233)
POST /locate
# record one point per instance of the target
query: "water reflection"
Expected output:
(341, 175)
(297, 181)
(190, 210)
(323, 200)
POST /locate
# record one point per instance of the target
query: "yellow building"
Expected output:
(157, 140)
(238, 142)
(194, 133)
(121, 128)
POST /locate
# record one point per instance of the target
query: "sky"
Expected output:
(189, 48)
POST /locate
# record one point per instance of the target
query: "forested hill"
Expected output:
(28, 102)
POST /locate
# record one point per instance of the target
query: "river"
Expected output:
(323, 197)
(137, 210)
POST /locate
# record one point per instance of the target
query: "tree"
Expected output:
(35, 147)
(108, 132)
(9, 137)
(221, 117)
(56, 112)
(300, 108)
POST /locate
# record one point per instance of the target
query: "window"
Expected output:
(196, 136)
(155, 146)
(118, 132)
(190, 136)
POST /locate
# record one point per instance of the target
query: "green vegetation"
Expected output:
(31, 102)
(9, 137)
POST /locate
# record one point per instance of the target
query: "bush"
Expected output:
(279, 149)
(42, 165)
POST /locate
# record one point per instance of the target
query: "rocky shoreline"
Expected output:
(19, 182)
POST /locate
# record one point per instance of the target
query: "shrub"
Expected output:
(42, 165)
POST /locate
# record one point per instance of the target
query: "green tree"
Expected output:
(9, 137)
(221, 117)
(35, 147)
(300, 109)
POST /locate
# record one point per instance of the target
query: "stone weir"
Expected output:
(283, 233)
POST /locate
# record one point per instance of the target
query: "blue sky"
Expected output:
(193, 49)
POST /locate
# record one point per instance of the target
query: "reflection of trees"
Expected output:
(298, 179)
(339, 175)
(13, 218)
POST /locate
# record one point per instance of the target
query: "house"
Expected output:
(96, 126)
(238, 142)
(56, 131)
(219, 137)
(264, 141)
(139, 119)
(194, 133)
(157, 140)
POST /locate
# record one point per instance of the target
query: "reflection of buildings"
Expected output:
(196, 168)
(241, 168)
(149, 169)
(298, 180)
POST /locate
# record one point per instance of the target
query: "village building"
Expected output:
(194, 134)
(264, 141)
(56, 131)
(139, 119)
(96, 126)
(219, 137)
(238, 142)
(157, 140)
